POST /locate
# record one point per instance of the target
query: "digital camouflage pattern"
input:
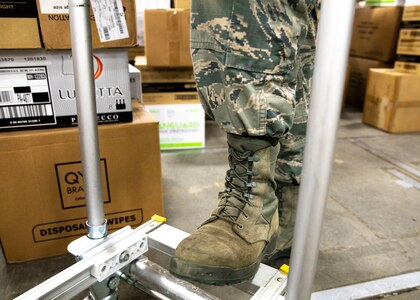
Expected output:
(253, 62)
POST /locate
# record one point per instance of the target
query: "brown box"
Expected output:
(163, 74)
(167, 37)
(392, 101)
(19, 25)
(409, 42)
(411, 13)
(375, 32)
(345, 89)
(55, 28)
(184, 97)
(359, 71)
(186, 4)
(42, 203)
(407, 67)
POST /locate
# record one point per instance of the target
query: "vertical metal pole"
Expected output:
(328, 81)
(81, 39)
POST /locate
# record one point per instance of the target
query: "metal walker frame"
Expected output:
(104, 260)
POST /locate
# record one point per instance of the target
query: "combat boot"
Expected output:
(242, 230)
(288, 197)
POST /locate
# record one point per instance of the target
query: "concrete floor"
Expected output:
(372, 221)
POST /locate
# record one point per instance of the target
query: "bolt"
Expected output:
(124, 256)
(113, 283)
(280, 279)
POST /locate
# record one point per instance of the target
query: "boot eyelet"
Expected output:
(240, 226)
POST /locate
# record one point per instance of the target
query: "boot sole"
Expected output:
(218, 275)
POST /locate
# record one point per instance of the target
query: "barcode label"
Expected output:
(110, 19)
(118, 18)
(106, 33)
(25, 111)
(6, 96)
(25, 97)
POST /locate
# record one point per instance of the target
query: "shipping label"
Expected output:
(25, 97)
(110, 19)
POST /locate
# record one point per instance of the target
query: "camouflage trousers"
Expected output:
(253, 62)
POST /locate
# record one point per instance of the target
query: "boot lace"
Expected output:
(238, 185)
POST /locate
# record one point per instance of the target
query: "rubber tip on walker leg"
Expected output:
(158, 218)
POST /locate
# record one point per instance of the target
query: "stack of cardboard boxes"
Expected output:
(42, 201)
(374, 39)
(392, 98)
(169, 90)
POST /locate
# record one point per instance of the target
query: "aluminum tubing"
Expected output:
(158, 281)
(327, 90)
(81, 40)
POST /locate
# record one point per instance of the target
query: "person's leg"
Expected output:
(290, 158)
(244, 58)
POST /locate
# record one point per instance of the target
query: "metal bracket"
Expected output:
(274, 290)
(97, 260)
(112, 253)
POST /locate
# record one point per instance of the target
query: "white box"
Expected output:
(135, 83)
(412, 2)
(181, 126)
(37, 88)
(385, 2)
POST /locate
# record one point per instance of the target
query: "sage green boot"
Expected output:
(288, 198)
(242, 230)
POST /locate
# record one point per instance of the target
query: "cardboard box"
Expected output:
(411, 13)
(345, 89)
(392, 101)
(55, 26)
(181, 119)
(37, 88)
(141, 6)
(133, 52)
(185, 97)
(164, 74)
(409, 42)
(375, 32)
(182, 4)
(43, 202)
(19, 25)
(359, 71)
(407, 67)
(181, 126)
(135, 83)
(167, 37)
